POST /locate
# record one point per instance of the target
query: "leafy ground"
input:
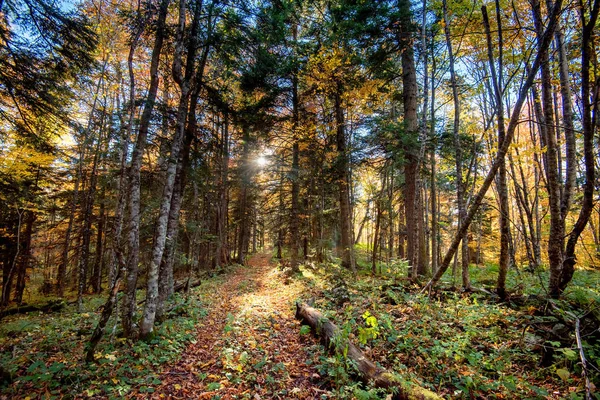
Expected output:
(235, 337)
(248, 345)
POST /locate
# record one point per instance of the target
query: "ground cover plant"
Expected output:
(42, 354)
(465, 344)
(235, 336)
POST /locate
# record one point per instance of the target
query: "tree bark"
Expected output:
(183, 162)
(411, 125)
(222, 254)
(134, 175)
(501, 183)
(88, 211)
(589, 127)
(460, 184)
(295, 173)
(99, 257)
(244, 203)
(185, 82)
(343, 180)
(24, 257)
(553, 179)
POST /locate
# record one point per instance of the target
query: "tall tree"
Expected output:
(133, 187)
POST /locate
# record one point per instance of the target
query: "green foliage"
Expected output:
(45, 352)
(370, 330)
(304, 330)
(459, 345)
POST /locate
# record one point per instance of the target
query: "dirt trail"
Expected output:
(248, 346)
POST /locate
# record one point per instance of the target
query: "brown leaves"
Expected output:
(248, 345)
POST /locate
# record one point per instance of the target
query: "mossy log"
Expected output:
(368, 371)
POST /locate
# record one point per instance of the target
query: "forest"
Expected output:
(313, 199)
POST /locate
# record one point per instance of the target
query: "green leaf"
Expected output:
(304, 330)
(563, 373)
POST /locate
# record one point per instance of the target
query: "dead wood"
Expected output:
(53, 305)
(367, 370)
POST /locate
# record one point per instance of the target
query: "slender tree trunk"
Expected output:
(62, 268)
(557, 227)
(99, 257)
(433, 184)
(166, 288)
(185, 82)
(10, 264)
(222, 211)
(294, 174)
(514, 120)
(342, 169)
(401, 230)
(390, 211)
(25, 257)
(378, 212)
(362, 223)
(589, 127)
(126, 132)
(86, 231)
(244, 203)
(501, 179)
(411, 125)
(460, 184)
(129, 301)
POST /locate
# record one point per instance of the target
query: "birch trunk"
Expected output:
(129, 301)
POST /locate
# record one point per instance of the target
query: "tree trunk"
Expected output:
(343, 179)
(460, 184)
(62, 268)
(222, 254)
(183, 162)
(185, 82)
(24, 257)
(501, 180)
(295, 174)
(134, 175)
(514, 120)
(433, 184)
(244, 201)
(99, 257)
(589, 127)
(553, 179)
(409, 96)
(88, 211)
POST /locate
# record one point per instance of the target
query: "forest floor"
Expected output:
(235, 337)
(248, 344)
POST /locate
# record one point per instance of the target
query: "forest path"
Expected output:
(248, 346)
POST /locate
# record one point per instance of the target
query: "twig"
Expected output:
(584, 367)
(584, 370)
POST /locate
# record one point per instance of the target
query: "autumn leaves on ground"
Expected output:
(235, 337)
(247, 344)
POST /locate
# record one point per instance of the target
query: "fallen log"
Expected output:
(53, 305)
(367, 370)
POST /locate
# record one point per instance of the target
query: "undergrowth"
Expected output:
(43, 353)
(462, 345)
